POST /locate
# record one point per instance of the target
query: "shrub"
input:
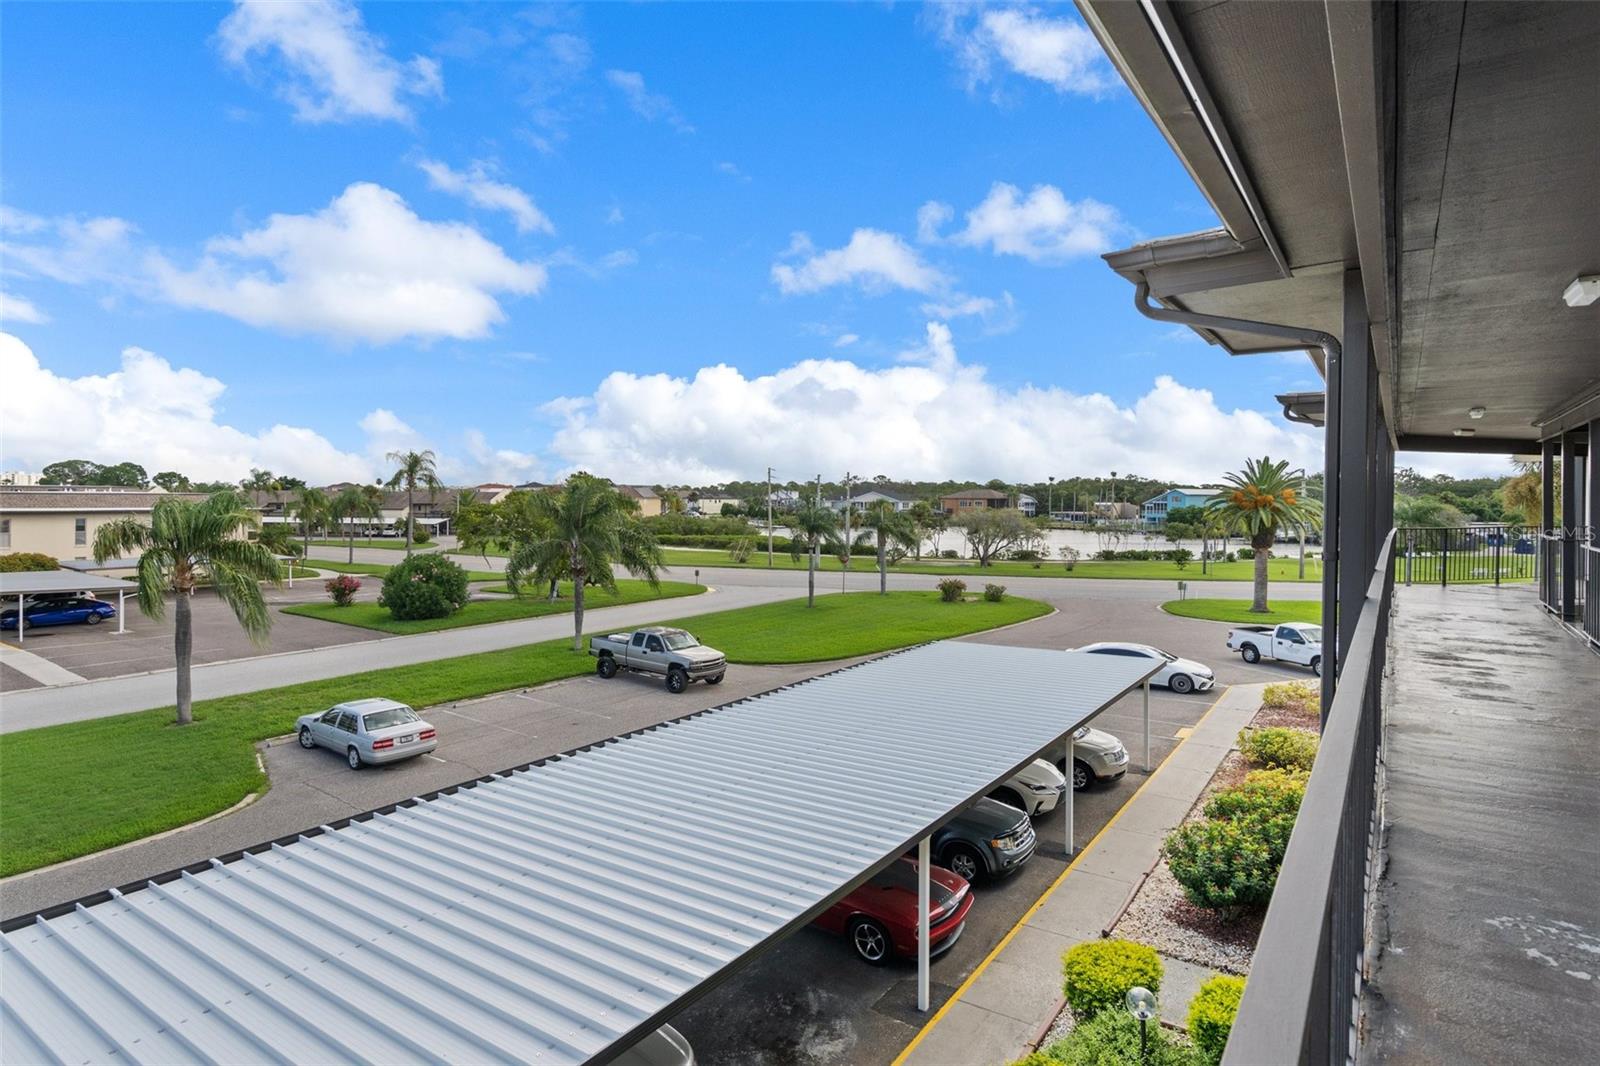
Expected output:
(1099, 973)
(1069, 557)
(741, 549)
(1025, 555)
(343, 590)
(1224, 866)
(1111, 1038)
(1291, 694)
(994, 593)
(1231, 557)
(1262, 794)
(1279, 746)
(1181, 556)
(424, 586)
(21, 562)
(420, 534)
(951, 589)
(1211, 1014)
(949, 553)
(1247, 553)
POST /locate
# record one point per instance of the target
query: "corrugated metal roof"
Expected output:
(558, 913)
(32, 582)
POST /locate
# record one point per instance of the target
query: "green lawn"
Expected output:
(1238, 611)
(1242, 570)
(369, 615)
(380, 569)
(387, 543)
(75, 788)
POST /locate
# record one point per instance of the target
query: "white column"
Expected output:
(923, 862)
(291, 571)
(1066, 799)
(1147, 725)
(21, 621)
(122, 600)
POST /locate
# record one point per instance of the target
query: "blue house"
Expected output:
(1155, 509)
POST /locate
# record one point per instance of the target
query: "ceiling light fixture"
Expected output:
(1584, 290)
(1465, 432)
(1477, 412)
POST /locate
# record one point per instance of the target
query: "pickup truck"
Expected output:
(1298, 643)
(659, 650)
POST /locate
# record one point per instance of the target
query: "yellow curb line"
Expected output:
(960, 991)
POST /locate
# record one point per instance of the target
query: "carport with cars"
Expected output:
(536, 918)
(18, 587)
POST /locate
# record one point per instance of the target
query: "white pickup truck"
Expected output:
(659, 650)
(1299, 643)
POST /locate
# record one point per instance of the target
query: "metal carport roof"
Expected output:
(46, 582)
(559, 913)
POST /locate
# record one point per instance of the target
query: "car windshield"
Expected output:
(1167, 655)
(1313, 634)
(677, 640)
(392, 717)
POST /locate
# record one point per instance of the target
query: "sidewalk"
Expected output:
(1013, 994)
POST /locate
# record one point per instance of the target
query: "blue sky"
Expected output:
(663, 242)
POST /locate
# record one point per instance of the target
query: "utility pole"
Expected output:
(769, 518)
(1302, 526)
(844, 568)
(1052, 497)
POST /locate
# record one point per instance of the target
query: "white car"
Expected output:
(1182, 676)
(1036, 789)
(368, 732)
(1096, 756)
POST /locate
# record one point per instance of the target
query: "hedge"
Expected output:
(1211, 1013)
(1111, 1038)
(1279, 746)
(1098, 974)
(1145, 555)
(21, 562)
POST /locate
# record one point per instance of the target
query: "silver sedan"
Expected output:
(368, 731)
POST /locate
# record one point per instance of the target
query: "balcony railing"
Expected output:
(1466, 555)
(1301, 1002)
(1574, 598)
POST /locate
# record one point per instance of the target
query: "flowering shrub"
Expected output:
(424, 586)
(951, 588)
(343, 590)
(1225, 866)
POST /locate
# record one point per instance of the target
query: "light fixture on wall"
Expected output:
(1476, 412)
(1584, 290)
(1464, 432)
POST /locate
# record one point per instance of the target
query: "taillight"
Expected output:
(427, 734)
(386, 742)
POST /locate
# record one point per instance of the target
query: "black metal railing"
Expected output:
(1572, 597)
(1466, 555)
(1301, 1003)
(1588, 585)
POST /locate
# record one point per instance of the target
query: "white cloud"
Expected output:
(17, 309)
(614, 215)
(646, 104)
(1042, 227)
(732, 170)
(332, 68)
(68, 248)
(845, 340)
(998, 316)
(363, 267)
(873, 259)
(931, 217)
(1061, 52)
(476, 187)
(930, 416)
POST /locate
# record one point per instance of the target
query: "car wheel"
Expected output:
(93, 619)
(1250, 654)
(606, 667)
(677, 679)
(871, 941)
(1082, 776)
(962, 860)
(1316, 666)
(306, 740)
(353, 757)
(715, 680)
(1182, 684)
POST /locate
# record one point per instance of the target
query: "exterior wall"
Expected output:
(1155, 509)
(52, 532)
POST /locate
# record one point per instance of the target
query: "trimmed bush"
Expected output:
(1211, 1014)
(1262, 794)
(1098, 974)
(343, 590)
(1279, 746)
(1246, 553)
(951, 589)
(1229, 867)
(1291, 694)
(994, 593)
(1111, 1038)
(424, 586)
(949, 553)
(27, 562)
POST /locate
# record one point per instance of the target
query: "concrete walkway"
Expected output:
(32, 708)
(1013, 994)
(37, 667)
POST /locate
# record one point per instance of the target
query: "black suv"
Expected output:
(988, 840)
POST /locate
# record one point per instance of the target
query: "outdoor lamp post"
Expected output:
(1142, 1005)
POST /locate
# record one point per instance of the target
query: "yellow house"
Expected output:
(60, 520)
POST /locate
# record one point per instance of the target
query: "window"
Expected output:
(1292, 636)
(347, 722)
(5, 532)
(654, 644)
(330, 717)
(638, 640)
(384, 719)
(80, 531)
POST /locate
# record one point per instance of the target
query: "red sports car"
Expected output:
(880, 917)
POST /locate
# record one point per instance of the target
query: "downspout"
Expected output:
(1332, 354)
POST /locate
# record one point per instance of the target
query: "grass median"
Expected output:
(368, 615)
(1287, 569)
(1238, 611)
(71, 789)
(380, 569)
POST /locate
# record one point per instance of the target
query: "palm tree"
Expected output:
(186, 543)
(1262, 501)
(889, 526)
(812, 524)
(583, 531)
(413, 469)
(311, 508)
(350, 504)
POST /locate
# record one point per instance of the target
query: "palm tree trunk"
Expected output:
(410, 507)
(883, 569)
(577, 615)
(183, 653)
(350, 531)
(811, 577)
(1259, 604)
(555, 589)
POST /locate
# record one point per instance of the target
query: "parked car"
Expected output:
(880, 916)
(368, 731)
(58, 611)
(990, 839)
(664, 1047)
(1299, 643)
(673, 653)
(1180, 675)
(1096, 756)
(1036, 789)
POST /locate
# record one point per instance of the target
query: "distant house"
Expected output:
(862, 500)
(783, 499)
(973, 500)
(1108, 511)
(60, 520)
(710, 503)
(1156, 507)
(1027, 505)
(643, 495)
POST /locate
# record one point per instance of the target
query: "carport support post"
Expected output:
(1147, 725)
(22, 622)
(122, 618)
(1066, 805)
(923, 862)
